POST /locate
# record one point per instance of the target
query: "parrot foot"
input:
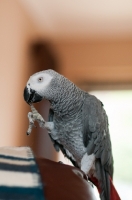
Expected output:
(31, 123)
(34, 116)
(88, 164)
(60, 162)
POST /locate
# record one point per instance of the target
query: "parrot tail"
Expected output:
(104, 184)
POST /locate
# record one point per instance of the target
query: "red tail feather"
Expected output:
(113, 192)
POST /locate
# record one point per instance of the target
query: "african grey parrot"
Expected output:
(78, 126)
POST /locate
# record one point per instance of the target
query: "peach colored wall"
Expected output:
(96, 61)
(16, 32)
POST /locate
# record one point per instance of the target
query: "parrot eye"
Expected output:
(40, 79)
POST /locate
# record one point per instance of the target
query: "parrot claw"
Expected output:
(91, 183)
(60, 162)
(34, 116)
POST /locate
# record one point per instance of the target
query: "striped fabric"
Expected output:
(19, 175)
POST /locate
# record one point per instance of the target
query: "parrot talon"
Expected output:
(86, 177)
(31, 125)
(91, 183)
(34, 116)
(27, 133)
(60, 162)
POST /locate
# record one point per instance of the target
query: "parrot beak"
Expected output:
(32, 97)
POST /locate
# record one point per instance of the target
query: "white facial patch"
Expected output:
(39, 82)
(28, 86)
(46, 79)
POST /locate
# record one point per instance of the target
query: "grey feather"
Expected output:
(100, 139)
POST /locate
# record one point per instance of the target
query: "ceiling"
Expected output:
(74, 19)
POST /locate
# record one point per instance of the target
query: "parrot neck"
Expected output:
(69, 102)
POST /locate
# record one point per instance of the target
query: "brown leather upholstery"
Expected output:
(64, 182)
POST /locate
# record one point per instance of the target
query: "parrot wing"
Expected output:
(97, 140)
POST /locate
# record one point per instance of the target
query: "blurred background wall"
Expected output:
(17, 30)
(90, 42)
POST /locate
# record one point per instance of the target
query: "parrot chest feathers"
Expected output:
(69, 135)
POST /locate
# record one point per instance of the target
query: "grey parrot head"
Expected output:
(40, 86)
